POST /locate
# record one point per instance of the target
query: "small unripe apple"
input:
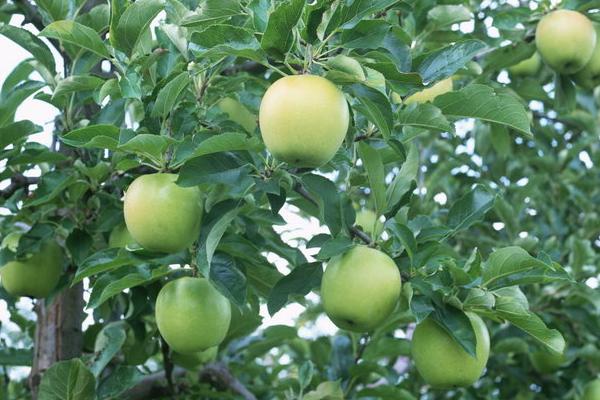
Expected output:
(565, 39)
(589, 76)
(160, 215)
(429, 94)
(192, 315)
(592, 390)
(527, 67)
(120, 237)
(360, 289)
(35, 276)
(368, 221)
(546, 362)
(238, 113)
(441, 361)
(303, 120)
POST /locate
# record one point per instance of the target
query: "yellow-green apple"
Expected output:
(360, 288)
(565, 39)
(429, 94)
(592, 390)
(238, 113)
(368, 221)
(36, 275)
(120, 237)
(589, 76)
(529, 66)
(303, 120)
(192, 315)
(441, 361)
(160, 215)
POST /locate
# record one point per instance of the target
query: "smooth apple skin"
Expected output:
(592, 390)
(429, 94)
(35, 276)
(589, 76)
(441, 361)
(303, 120)
(192, 315)
(160, 215)
(546, 362)
(565, 39)
(120, 237)
(367, 219)
(527, 67)
(360, 289)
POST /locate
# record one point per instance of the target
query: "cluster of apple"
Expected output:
(569, 43)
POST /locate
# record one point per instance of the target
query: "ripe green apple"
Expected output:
(441, 361)
(527, 67)
(35, 276)
(238, 113)
(546, 362)
(565, 39)
(120, 237)
(360, 289)
(592, 390)
(429, 94)
(192, 315)
(589, 76)
(192, 361)
(368, 221)
(160, 215)
(303, 120)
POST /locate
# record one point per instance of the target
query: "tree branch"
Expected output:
(18, 181)
(219, 376)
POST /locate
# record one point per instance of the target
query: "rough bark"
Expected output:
(58, 333)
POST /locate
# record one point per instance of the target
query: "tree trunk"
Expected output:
(58, 333)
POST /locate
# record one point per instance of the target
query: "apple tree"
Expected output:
(444, 153)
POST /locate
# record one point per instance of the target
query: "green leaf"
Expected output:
(167, 97)
(326, 391)
(79, 243)
(403, 183)
(457, 325)
(213, 12)
(15, 97)
(56, 9)
(31, 43)
(51, 185)
(77, 34)
(511, 266)
(228, 141)
(77, 83)
(279, 36)
(445, 15)
(112, 336)
(215, 168)
(147, 145)
(375, 107)
(470, 208)
(334, 247)
(350, 13)
(102, 136)
(425, 116)
(102, 261)
(134, 21)
(227, 40)
(121, 379)
(228, 279)
(67, 380)
(216, 233)
(405, 235)
(481, 101)
(16, 357)
(516, 313)
(443, 63)
(16, 131)
(335, 209)
(376, 173)
(299, 282)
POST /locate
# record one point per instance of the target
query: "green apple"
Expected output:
(527, 67)
(589, 76)
(368, 221)
(36, 275)
(546, 362)
(192, 315)
(160, 215)
(592, 390)
(120, 237)
(360, 289)
(238, 113)
(429, 94)
(441, 361)
(303, 120)
(565, 39)
(192, 361)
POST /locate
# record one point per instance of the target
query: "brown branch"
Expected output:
(18, 181)
(153, 386)
(248, 66)
(31, 13)
(168, 365)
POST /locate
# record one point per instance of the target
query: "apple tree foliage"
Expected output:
(490, 193)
